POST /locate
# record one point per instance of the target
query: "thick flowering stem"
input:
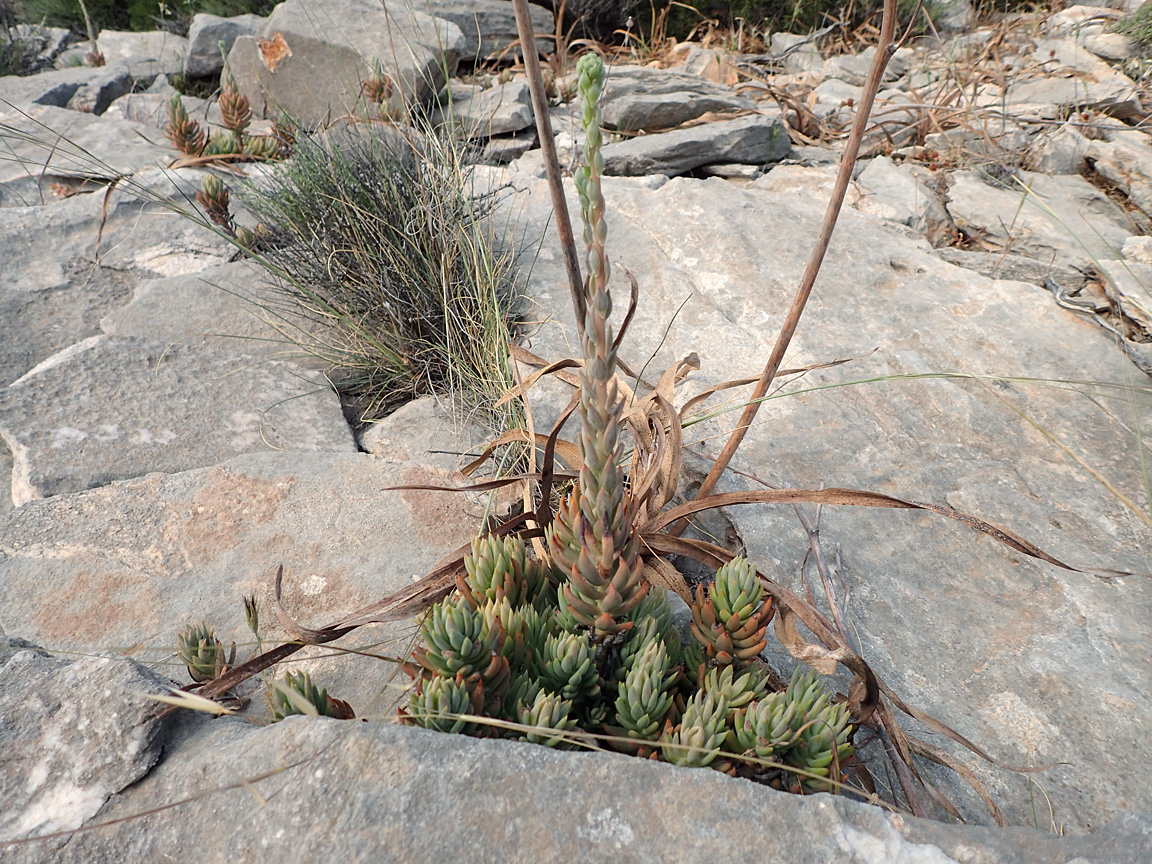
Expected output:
(593, 541)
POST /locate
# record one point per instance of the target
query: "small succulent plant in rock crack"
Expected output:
(578, 646)
(233, 142)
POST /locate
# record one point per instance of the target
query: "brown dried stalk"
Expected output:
(884, 50)
(551, 162)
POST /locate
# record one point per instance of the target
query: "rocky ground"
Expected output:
(990, 277)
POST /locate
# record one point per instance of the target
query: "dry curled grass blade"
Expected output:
(863, 498)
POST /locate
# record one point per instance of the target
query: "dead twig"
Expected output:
(884, 51)
(551, 162)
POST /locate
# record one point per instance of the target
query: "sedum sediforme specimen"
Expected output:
(593, 542)
(581, 641)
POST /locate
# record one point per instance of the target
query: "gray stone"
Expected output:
(496, 111)
(1015, 268)
(508, 148)
(1115, 47)
(1125, 159)
(637, 99)
(1062, 152)
(379, 792)
(313, 66)
(72, 734)
(754, 140)
(46, 42)
(112, 408)
(489, 26)
(953, 16)
(1071, 77)
(1034, 663)
(706, 63)
(206, 34)
(146, 55)
(897, 195)
(46, 144)
(1062, 219)
(88, 88)
(1138, 249)
(53, 293)
(231, 307)
(126, 566)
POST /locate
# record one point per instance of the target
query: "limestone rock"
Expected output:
(72, 734)
(755, 140)
(313, 66)
(355, 788)
(111, 408)
(636, 99)
(1052, 648)
(1061, 219)
(130, 564)
(145, 54)
(496, 111)
(206, 34)
(88, 88)
(898, 196)
(47, 144)
(489, 26)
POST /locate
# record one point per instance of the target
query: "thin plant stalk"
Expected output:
(551, 162)
(884, 50)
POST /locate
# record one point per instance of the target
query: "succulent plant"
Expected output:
(592, 541)
(765, 728)
(225, 143)
(459, 640)
(521, 693)
(514, 646)
(823, 743)
(499, 567)
(203, 654)
(568, 666)
(550, 714)
(437, 702)
(235, 111)
(737, 691)
(262, 147)
(730, 619)
(377, 86)
(645, 695)
(184, 133)
(652, 619)
(213, 196)
(697, 740)
(296, 694)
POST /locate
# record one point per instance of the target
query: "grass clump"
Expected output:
(380, 237)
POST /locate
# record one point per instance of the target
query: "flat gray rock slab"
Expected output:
(145, 54)
(111, 408)
(206, 34)
(126, 566)
(44, 143)
(496, 111)
(366, 792)
(1071, 76)
(1036, 664)
(231, 307)
(54, 294)
(311, 63)
(752, 140)
(636, 99)
(92, 88)
(489, 26)
(71, 735)
(1062, 220)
